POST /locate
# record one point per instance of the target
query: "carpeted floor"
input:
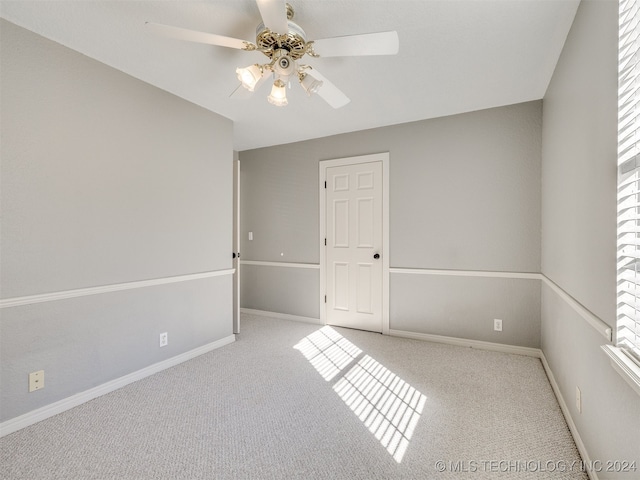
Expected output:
(291, 400)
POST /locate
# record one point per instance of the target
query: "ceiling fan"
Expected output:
(285, 43)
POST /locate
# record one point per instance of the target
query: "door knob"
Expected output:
(376, 256)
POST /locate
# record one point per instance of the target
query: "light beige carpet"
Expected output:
(291, 400)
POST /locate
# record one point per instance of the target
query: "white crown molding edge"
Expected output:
(35, 416)
(81, 292)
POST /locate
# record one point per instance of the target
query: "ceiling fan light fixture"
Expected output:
(309, 83)
(285, 43)
(249, 76)
(278, 95)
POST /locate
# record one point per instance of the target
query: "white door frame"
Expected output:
(236, 246)
(324, 165)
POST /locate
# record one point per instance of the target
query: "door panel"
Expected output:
(354, 236)
(365, 223)
(364, 296)
(341, 286)
(341, 223)
(341, 183)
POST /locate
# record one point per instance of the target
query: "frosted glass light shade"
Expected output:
(310, 84)
(249, 76)
(278, 95)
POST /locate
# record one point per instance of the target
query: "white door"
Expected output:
(354, 234)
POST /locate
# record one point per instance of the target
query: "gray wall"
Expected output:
(579, 233)
(579, 162)
(464, 307)
(105, 180)
(464, 195)
(284, 290)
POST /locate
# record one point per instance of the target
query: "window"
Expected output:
(628, 264)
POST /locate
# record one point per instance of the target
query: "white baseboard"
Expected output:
(567, 416)
(463, 342)
(68, 403)
(284, 316)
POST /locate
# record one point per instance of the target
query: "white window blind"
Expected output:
(628, 317)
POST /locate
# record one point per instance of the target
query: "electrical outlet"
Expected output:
(497, 324)
(36, 381)
(578, 400)
(164, 339)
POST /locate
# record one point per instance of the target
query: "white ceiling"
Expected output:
(455, 56)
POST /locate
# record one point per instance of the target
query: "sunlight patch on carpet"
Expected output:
(388, 406)
(328, 351)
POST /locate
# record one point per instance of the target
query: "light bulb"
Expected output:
(309, 83)
(249, 76)
(278, 95)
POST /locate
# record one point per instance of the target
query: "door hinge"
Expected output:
(325, 299)
(325, 184)
(325, 242)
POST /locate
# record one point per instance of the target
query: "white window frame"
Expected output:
(625, 356)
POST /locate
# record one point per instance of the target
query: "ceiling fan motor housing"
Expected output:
(284, 65)
(294, 41)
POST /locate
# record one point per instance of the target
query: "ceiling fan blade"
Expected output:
(383, 43)
(274, 15)
(329, 92)
(195, 36)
